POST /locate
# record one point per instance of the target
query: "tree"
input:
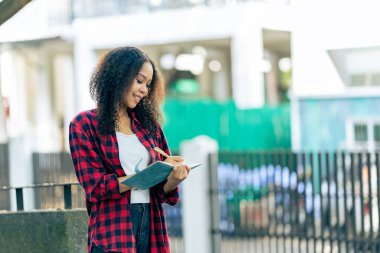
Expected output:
(10, 7)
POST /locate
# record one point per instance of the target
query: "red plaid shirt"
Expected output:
(97, 166)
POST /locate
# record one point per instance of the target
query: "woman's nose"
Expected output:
(144, 89)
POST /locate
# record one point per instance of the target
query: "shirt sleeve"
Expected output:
(89, 168)
(172, 197)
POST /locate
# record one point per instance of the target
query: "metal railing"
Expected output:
(65, 11)
(296, 202)
(61, 197)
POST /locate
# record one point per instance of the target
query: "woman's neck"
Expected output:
(124, 125)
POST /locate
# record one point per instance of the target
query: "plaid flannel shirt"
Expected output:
(97, 167)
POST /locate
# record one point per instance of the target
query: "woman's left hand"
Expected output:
(178, 174)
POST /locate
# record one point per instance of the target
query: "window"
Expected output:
(366, 79)
(363, 134)
(376, 79)
(376, 133)
(358, 80)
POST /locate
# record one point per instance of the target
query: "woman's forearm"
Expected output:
(170, 186)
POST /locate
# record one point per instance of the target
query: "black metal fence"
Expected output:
(297, 202)
(63, 192)
(264, 201)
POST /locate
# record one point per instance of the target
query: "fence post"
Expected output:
(21, 170)
(215, 205)
(19, 199)
(196, 203)
(67, 196)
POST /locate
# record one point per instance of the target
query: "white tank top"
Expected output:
(134, 157)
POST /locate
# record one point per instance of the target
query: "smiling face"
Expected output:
(139, 87)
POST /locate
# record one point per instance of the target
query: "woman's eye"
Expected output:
(139, 81)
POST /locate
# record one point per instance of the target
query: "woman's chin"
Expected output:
(132, 106)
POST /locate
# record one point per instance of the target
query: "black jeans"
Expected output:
(141, 228)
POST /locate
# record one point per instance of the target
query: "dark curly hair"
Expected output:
(112, 76)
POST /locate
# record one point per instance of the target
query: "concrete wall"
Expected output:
(44, 231)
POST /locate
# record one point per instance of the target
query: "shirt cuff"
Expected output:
(111, 184)
(170, 198)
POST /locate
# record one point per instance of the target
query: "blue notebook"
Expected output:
(151, 175)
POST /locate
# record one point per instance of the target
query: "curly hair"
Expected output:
(112, 77)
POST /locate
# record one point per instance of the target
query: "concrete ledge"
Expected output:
(44, 231)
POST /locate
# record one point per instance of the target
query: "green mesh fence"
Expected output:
(233, 128)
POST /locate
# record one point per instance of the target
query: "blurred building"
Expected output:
(210, 51)
(253, 53)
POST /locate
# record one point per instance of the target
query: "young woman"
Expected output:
(116, 139)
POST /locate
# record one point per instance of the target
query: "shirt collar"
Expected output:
(132, 114)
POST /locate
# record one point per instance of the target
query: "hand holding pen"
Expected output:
(179, 173)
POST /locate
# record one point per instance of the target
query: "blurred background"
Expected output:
(289, 91)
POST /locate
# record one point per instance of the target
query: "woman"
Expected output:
(116, 140)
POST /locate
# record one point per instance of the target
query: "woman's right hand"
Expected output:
(179, 173)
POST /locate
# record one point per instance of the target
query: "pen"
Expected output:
(157, 149)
